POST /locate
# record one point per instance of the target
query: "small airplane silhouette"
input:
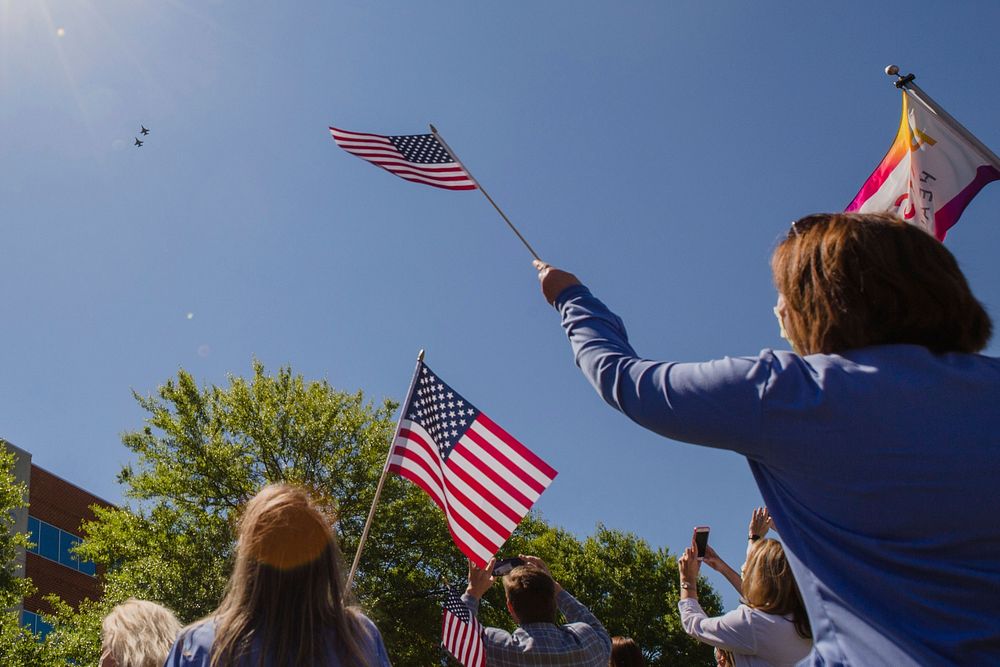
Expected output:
(137, 142)
(144, 131)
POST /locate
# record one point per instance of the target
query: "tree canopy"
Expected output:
(204, 451)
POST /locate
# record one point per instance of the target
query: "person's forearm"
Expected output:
(732, 576)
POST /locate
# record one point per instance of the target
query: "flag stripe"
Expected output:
(460, 467)
(360, 135)
(527, 484)
(487, 465)
(520, 450)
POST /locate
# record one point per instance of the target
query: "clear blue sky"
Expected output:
(656, 149)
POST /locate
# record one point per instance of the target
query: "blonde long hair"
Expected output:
(285, 595)
(768, 585)
(139, 633)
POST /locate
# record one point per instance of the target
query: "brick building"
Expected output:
(56, 508)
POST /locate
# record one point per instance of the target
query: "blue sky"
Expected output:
(656, 149)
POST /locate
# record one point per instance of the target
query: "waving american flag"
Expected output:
(483, 479)
(461, 633)
(416, 157)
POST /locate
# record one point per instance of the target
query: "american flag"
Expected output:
(416, 157)
(483, 479)
(461, 633)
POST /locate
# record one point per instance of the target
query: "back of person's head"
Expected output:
(138, 633)
(625, 653)
(531, 594)
(768, 584)
(852, 280)
(285, 595)
(724, 658)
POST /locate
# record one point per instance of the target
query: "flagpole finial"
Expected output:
(420, 355)
(901, 81)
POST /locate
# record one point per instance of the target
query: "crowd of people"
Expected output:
(285, 598)
(874, 443)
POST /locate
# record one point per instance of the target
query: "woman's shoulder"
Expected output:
(193, 647)
(374, 645)
(764, 619)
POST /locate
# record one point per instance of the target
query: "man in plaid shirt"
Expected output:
(532, 599)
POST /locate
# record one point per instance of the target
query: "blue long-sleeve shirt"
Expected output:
(880, 466)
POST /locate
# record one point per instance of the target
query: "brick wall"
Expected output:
(52, 577)
(64, 505)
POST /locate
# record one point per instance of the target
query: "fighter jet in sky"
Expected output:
(144, 130)
(137, 142)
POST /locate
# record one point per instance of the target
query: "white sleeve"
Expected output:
(730, 631)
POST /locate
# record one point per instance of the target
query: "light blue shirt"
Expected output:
(193, 647)
(880, 466)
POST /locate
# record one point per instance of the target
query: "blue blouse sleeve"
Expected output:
(715, 403)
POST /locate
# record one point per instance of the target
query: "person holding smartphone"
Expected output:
(533, 600)
(770, 627)
(760, 523)
(880, 422)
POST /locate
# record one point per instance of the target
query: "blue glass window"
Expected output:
(42, 628)
(48, 543)
(57, 544)
(33, 533)
(88, 567)
(66, 542)
(29, 620)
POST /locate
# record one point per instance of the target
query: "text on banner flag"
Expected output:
(929, 175)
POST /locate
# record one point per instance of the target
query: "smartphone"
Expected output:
(506, 565)
(701, 540)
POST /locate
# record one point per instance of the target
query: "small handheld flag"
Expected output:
(421, 158)
(416, 157)
(461, 633)
(932, 170)
(483, 479)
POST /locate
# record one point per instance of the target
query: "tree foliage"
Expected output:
(17, 644)
(204, 451)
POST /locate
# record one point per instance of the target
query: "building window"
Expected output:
(34, 622)
(56, 544)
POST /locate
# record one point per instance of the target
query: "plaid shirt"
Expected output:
(582, 642)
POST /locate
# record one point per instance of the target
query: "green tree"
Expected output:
(205, 450)
(17, 644)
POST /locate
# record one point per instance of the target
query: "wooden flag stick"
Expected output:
(385, 472)
(485, 194)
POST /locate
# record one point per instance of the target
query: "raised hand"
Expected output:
(553, 280)
(760, 522)
(480, 580)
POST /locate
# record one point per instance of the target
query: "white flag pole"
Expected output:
(385, 472)
(486, 194)
(917, 93)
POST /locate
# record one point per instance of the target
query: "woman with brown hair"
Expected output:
(626, 653)
(284, 602)
(875, 444)
(770, 627)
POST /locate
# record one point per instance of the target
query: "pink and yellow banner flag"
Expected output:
(929, 175)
